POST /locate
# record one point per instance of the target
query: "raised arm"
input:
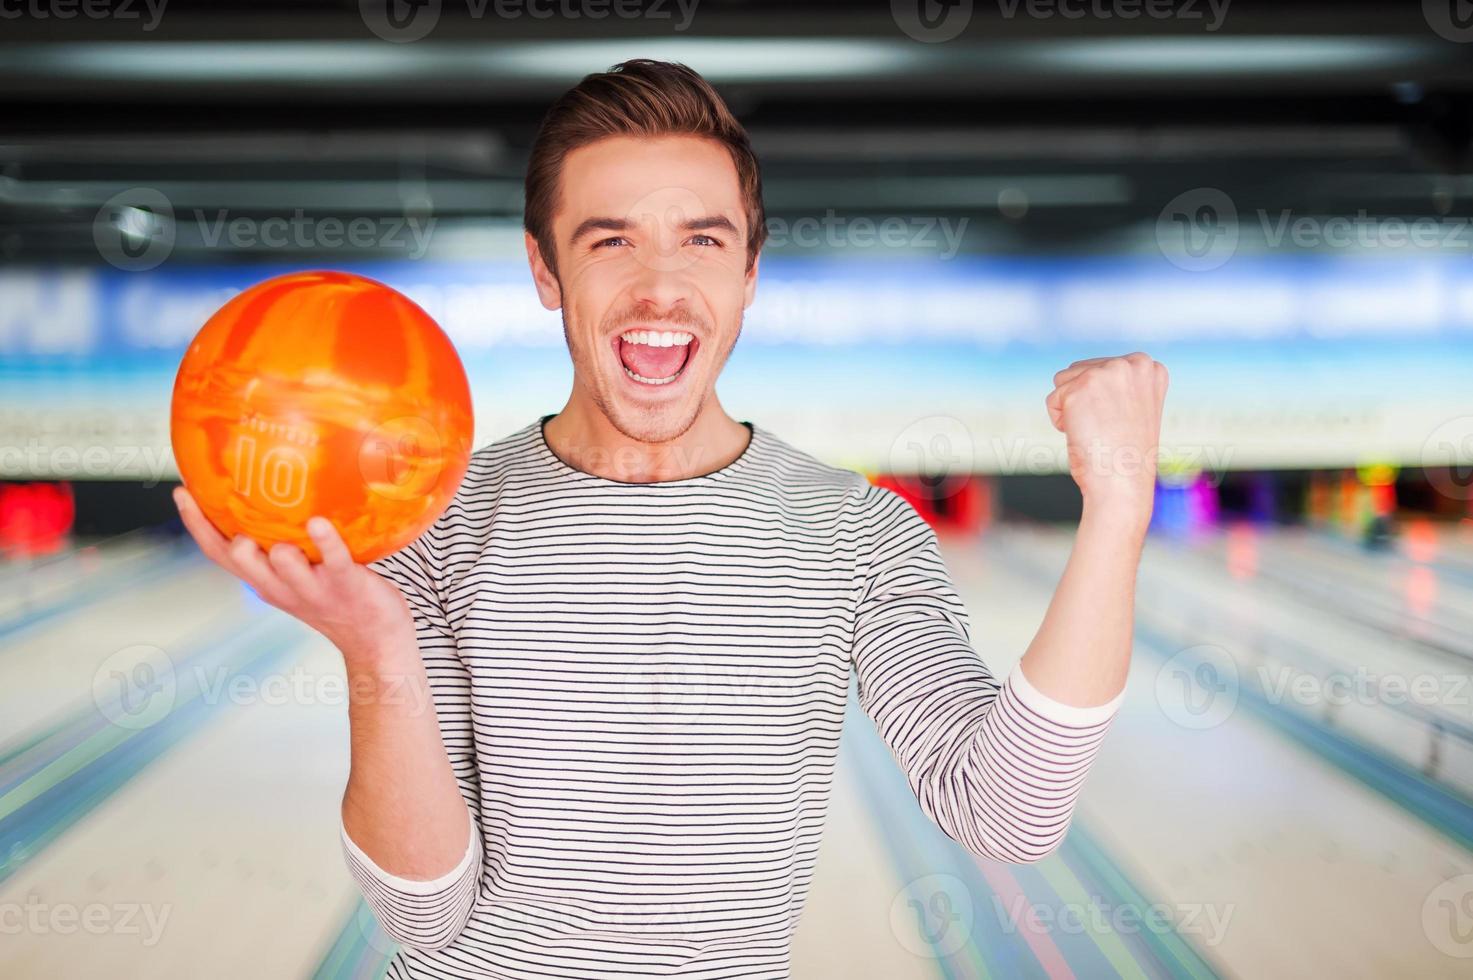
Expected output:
(1109, 409)
(997, 767)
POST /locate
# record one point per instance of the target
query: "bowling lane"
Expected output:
(1417, 601)
(847, 929)
(34, 591)
(1449, 544)
(1264, 852)
(228, 854)
(1395, 685)
(1424, 599)
(219, 857)
(1255, 850)
(1326, 623)
(51, 665)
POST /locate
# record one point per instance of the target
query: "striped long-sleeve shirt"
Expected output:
(641, 687)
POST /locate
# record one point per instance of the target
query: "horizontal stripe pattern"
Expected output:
(641, 689)
(422, 914)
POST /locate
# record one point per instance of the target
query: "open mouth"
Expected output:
(655, 357)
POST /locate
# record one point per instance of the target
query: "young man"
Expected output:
(638, 618)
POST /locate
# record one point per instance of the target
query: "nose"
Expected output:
(661, 282)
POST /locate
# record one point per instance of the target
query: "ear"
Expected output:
(549, 290)
(749, 289)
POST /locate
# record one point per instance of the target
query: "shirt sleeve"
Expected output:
(997, 766)
(429, 915)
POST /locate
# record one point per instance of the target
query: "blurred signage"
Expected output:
(50, 315)
(876, 365)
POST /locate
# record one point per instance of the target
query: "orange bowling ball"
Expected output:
(322, 393)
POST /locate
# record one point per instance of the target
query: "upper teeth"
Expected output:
(657, 338)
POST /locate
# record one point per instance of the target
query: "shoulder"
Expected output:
(457, 535)
(893, 545)
(782, 461)
(518, 450)
(802, 474)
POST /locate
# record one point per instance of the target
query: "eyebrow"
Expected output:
(708, 223)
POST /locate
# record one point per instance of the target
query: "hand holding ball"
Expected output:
(322, 393)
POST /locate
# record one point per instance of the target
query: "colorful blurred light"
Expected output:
(35, 518)
(1242, 551)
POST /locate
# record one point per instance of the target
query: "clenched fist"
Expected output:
(1109, 409)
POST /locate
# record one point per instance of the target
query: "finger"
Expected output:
(1163, 380)
(335, 554)
(253, 569)
(1076, 369)
(1055, 404)
(210, 541)
(295, 571)
(1063, 393)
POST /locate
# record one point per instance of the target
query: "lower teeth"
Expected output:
(651, 381)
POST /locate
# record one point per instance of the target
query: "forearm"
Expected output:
(1028, 759)
(1081, 653)
(402, 807)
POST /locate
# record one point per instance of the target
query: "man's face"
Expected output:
(652, 277)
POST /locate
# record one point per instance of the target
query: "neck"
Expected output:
(583, 437)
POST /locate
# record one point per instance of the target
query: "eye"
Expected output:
(606, 242)
(706, 241)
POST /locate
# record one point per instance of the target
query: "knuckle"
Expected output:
(282, 554)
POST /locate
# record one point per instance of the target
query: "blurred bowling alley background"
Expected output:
(1272, 198)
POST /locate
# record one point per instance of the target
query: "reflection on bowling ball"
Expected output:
(322, 393)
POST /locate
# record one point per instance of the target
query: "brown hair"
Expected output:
(640, 98)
